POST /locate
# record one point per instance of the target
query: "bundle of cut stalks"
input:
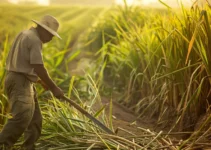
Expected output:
(65, 128)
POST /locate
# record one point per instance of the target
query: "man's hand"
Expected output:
(57, 92)
(43, 75)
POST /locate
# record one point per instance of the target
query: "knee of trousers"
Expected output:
(22, 120)
(22, 114)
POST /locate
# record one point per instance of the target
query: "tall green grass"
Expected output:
(64, 127)
(159, 62)
(3, 98)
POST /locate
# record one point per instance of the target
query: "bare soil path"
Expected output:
(125, 119)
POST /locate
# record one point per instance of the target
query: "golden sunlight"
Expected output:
(154, 3)
(39, 2)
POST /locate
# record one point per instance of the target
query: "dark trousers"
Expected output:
(24, 111)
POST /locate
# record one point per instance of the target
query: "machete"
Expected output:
(102, 126)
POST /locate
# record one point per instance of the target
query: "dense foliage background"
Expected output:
(156, 62)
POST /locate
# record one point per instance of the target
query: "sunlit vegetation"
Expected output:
(155, 62)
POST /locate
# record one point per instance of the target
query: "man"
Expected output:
(24, 66)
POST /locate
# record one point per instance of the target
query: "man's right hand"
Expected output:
(43, 75)
(57, 92)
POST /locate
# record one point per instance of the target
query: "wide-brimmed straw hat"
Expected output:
(49, 23)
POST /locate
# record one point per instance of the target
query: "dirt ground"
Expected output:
(126, 119)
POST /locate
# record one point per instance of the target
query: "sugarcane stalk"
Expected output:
(97, 122)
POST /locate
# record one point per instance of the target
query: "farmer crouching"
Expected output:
(24, 68)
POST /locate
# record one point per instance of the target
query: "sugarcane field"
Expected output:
(105, 75)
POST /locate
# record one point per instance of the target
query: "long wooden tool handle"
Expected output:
(102, 126)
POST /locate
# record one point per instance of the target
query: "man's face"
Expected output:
(46, 36)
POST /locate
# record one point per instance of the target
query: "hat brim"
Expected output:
(47, 28)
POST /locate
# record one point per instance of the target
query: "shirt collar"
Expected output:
(35, 32)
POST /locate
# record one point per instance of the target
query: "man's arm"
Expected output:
(44, 76)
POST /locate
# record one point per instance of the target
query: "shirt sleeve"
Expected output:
(35, 52)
